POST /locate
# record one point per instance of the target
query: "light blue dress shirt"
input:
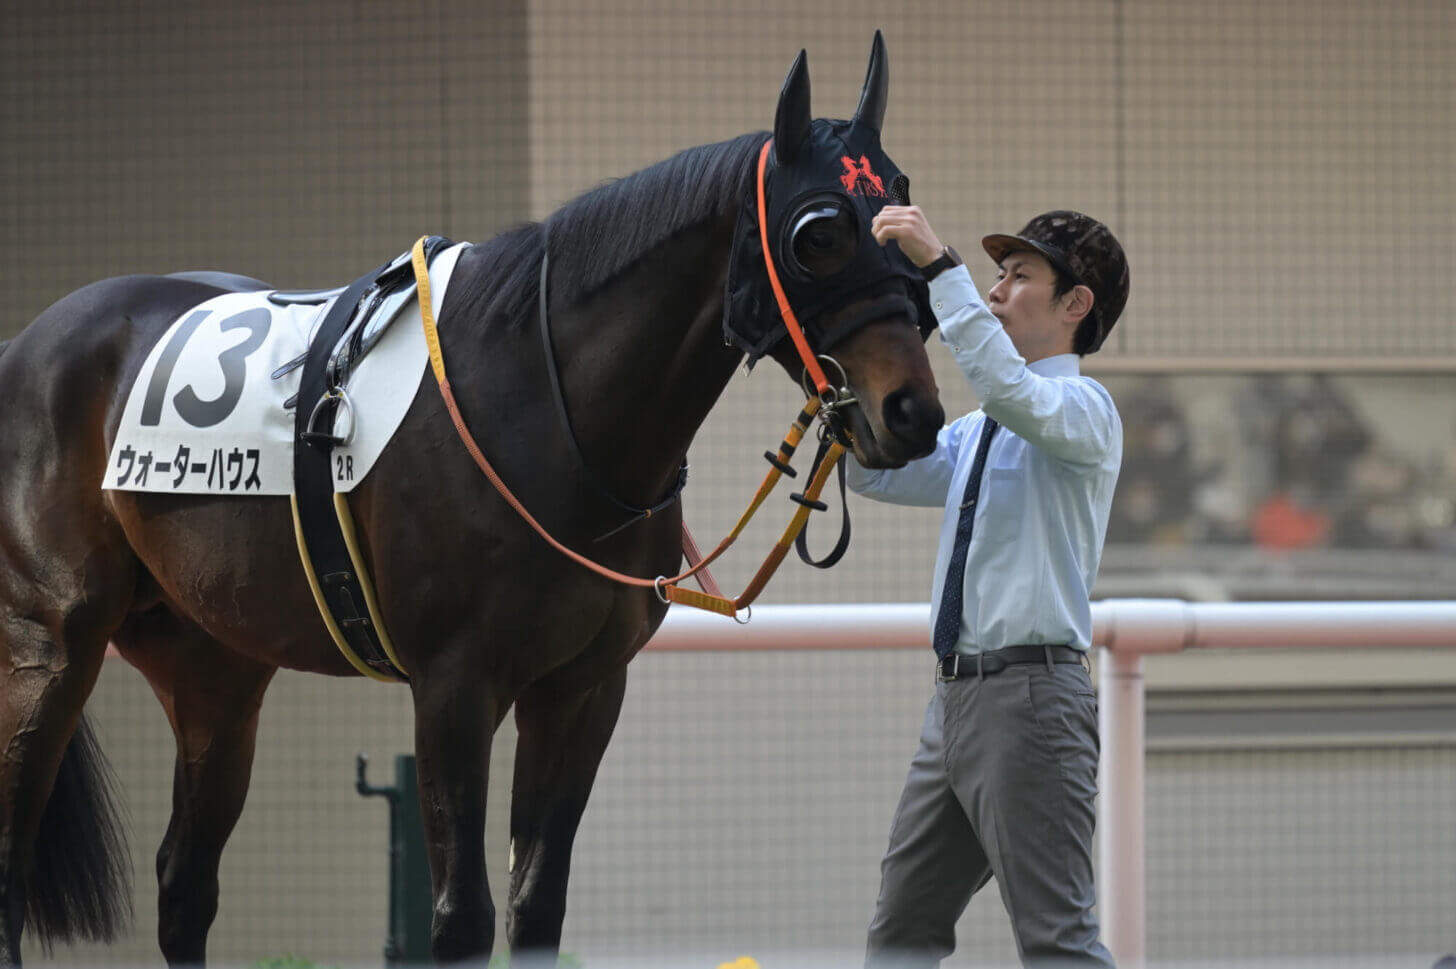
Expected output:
(1046, 491)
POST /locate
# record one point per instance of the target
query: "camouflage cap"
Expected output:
(1084, 249)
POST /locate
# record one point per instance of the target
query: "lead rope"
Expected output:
(667, 589)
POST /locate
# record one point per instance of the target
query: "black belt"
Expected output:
(956, 666)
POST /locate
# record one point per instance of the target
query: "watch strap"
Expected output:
(946, 260)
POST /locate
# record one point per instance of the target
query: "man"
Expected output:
(1004, 779)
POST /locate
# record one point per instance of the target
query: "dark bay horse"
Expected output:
(205, 595)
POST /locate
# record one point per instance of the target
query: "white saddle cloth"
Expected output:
(206, 417)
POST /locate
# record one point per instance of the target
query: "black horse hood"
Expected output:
(818, 169)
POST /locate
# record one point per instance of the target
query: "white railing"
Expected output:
(1124, 630)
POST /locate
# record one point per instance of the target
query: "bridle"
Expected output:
(831, 398)
(825, 401)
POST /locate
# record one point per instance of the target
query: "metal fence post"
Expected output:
(1120, 827)
(410, 903)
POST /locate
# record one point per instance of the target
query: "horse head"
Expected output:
(864, 308)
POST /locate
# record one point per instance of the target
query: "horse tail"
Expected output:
(80, 885)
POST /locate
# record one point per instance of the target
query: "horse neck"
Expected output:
(642, 360)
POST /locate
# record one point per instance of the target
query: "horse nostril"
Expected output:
(914, 420)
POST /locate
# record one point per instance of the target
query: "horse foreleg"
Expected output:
(212, 698)
(455, 716)
(562, 735)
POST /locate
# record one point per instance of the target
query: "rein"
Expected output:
(670, 590)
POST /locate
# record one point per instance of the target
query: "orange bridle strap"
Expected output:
(668, 589)
(791, 322)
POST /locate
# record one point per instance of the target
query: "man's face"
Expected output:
(1038, 324)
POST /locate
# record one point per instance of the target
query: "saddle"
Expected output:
(391, 291)
(394, 289)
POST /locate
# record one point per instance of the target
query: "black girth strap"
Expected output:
(319, 520)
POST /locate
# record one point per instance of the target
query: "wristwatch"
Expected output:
(948, 258)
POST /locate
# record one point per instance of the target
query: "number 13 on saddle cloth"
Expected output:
(207, 413)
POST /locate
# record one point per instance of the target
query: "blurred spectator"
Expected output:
(1313, 437)
(1383, 510)
(1154, 498)
(1318, 436)
(1283, 461)
(1438, 504)
(1290, 519)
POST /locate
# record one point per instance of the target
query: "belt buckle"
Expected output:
(949, 667)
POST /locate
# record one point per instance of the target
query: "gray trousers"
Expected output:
(1003, 784)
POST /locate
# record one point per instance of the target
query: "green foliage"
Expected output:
(285, 962)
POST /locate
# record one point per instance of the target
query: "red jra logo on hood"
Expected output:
(859, 178)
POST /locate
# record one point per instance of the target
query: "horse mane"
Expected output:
(597, 236)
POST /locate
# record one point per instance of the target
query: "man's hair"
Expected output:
(1086, 333)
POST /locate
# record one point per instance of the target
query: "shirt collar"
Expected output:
(1061, 365)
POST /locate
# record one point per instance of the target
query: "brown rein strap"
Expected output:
(668, 589)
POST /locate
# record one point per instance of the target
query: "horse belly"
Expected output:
(231, 567)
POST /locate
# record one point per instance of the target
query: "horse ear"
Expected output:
(871, 110)
(791, 120)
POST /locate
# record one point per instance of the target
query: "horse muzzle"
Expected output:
(906, 429)
(913, 420)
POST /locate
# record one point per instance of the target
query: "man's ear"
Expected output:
(1079, 303)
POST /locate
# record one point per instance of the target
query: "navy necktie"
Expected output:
(948, 620)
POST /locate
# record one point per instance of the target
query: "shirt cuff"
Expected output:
(952, 287)
(958, 306)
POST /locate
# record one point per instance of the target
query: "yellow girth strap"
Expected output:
(427, 308)
(346, 524)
